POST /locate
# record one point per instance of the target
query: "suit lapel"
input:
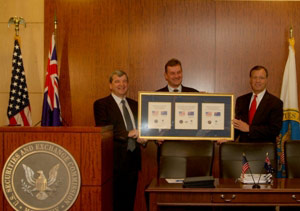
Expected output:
(246, 106)
(116, 113)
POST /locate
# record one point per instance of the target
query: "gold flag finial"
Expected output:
(291, 32)
(55, 21)
(292, 39)
(17, 21)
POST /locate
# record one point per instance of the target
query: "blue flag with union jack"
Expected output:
(51, 115)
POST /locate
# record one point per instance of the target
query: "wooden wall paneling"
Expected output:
(81, 143)
(1, 154)
(252, 33)
(93, 194)
(78, 203)
(147, 173)
(104, 167)
(1, 168)
(161, 30)
(6, 206)
(93, 37)
(68, 141)
(1, 197)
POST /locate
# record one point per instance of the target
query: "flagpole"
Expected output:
(55, 24)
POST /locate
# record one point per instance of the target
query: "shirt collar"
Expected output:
(118, 99)
(171, 89)
(259, 95)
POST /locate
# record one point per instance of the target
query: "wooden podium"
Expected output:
(92, 148)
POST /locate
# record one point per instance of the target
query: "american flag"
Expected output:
(18, 111)
(245, 165)
(51, 107)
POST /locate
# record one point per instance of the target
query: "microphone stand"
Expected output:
(255, 186)
(258, 180)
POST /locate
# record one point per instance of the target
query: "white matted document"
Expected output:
(186, 116)
(159, 115)
(213, 116)
(256, 178)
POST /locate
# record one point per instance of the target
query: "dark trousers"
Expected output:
(124, 187)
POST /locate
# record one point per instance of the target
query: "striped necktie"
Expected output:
(131, 141)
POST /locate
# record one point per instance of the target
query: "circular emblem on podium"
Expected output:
(41, 175)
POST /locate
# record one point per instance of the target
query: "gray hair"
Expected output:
(119, 73)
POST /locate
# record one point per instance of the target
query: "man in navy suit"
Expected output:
(173, 75)
(117, 110)
(267, 120)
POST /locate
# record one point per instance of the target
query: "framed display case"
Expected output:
(185, 116)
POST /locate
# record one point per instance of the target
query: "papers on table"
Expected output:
(258, 178)
(174, 180)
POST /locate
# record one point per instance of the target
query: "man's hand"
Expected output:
(142, 141)
(160, 142)
(133, 133)
(221, 141)
(240, 125)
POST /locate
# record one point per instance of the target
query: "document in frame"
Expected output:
(159, 115)
(213, 115)
(186, 116)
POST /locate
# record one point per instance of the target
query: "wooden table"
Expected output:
(227, 192)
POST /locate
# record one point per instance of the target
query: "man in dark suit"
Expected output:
(121, 112)
(173, 75)
(265, 124)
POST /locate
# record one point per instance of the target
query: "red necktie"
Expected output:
(252, 109)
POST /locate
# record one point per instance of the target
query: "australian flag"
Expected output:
(51, 107)
(268, 165)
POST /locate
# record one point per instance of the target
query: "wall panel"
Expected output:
(92, 40)
(161, 30)
(253, 33)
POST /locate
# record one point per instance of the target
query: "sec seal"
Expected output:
(41, 175)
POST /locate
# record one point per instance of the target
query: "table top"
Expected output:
(228, 185)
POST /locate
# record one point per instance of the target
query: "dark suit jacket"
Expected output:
(267, 121)
(184, 89)
(107, 112)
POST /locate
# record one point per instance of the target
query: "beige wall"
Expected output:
(32, 46)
